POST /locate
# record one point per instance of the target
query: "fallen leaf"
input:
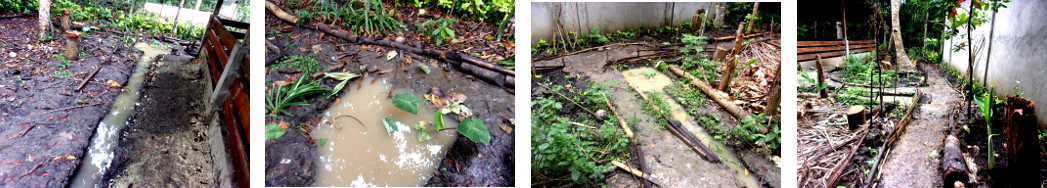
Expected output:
(31, 158)
(282, 83)
(296, 36)
(506, 128)
(143, 150)
(284, 125)
(390, 55)
(114, 83)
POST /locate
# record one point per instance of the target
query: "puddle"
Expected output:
(659, 81)
(365, 155)
(100, 152)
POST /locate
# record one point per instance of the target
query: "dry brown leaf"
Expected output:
(284, 125)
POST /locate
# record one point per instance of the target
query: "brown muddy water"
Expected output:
(365, 154)
(100, 153)
(643, 82)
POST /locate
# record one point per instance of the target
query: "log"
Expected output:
(637, 173)
(953, 162)
(824, 91)
(855, 116)
(715, 95)
(725, 83)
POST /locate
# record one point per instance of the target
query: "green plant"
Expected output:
(279, 98)
(748, 128)
(575, 153)
(390, 125)
(475, 130)
(301, 63)
(18, 6)
(594, 37)
(985, 103)
(440, 30)
(695, 59)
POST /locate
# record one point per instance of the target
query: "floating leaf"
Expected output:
(424, 136)
(407, 102)
(390, 125)
(322, 142)
(438, 121)
(273, 131)
(475, 130)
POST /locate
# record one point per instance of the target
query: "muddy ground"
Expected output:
(291, 159)
(165, 143)
(666, 156)
(45, 123)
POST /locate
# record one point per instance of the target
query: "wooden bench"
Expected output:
(222, 45)
(808, 50)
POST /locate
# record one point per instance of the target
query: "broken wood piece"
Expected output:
(735, 37)
(715, 95)
(637, 173)
(88, 78)
(823, 92)
(628, 131)
(846, 160)
(1022, 146)
(728, 73)
(953, 163)
(855, 116)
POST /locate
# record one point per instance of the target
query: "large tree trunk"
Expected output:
(44, 17)
(926, 20)
(756, 8)
(896, 35)
(198, 2)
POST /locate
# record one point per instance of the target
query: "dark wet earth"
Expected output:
(165, 143)
(45, 123)
(291, 160)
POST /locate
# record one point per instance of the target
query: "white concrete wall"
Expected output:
(197, 18)
(1019, 52)
(581, 17)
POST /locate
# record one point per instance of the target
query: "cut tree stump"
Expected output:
(855, 116)
(1023, 146)
(720, 54)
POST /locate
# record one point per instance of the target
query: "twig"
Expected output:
(34, 168)
(628, 131)
(88, 78)
(70, 108)
(23, 132)
(637, 173)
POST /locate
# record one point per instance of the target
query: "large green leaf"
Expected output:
(475, 130)
(390, 125)
(407, 102)
(273, 131)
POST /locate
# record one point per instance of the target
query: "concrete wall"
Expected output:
(1019, 52)
(581, 17)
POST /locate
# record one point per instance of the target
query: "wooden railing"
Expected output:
(808, 50)
(223, 48)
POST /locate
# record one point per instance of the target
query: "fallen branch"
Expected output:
(715, 95)
(628, 131)
(733, 37)
(23, 132)
(569, 99)
(884, 149)
(33, 169)
(88, 78)
(637, 173)
(586, 50)
(846, 160)
(71, 107)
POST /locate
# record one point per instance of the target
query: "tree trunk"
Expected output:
(178, 12)
(44, 18)
(896, 35)
(756, 8)
(774, 99)
(198, 2)
(926, 18)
